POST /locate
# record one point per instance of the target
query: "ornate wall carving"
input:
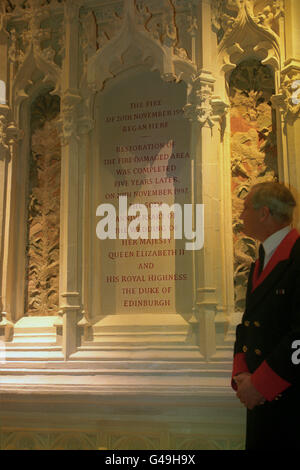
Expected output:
(110, 440)
(39, 440)
(288, 99)
(36, 43)
(227, 14)
(44, 206)
(147, 33)
(42, 55)
(253, 153)
(101, 23)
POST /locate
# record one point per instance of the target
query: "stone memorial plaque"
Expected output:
(144, 142)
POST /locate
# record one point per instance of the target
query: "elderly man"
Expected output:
(265, 376)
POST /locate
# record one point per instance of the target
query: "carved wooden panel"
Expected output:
(43, 210)
(253, 153)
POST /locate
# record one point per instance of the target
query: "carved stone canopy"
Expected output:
(249, 30)
(133, 36)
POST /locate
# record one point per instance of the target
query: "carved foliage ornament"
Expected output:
(17, 7)
(199, 107)
(289, 98)
(253, 154)
(27, 39)
(68, 123)
(3, 135)
(9, 134)
(156, 41)
(229, 14)
(44, 207)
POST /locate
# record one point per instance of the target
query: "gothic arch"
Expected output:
(133, 35)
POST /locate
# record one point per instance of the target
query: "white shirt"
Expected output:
(272, 242)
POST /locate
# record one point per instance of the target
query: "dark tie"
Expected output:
(261, 257)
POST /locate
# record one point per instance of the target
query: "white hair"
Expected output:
(276, 197)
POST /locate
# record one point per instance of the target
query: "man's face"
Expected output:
(251, 218)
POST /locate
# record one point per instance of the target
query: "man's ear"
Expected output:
(264, 213)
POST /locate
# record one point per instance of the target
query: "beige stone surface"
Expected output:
(84, 370)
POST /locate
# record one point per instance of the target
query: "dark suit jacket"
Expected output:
(264, 339)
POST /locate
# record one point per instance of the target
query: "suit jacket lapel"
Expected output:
(259, 286)
(256, 295)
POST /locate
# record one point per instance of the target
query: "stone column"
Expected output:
(287, 102)
(4, 157)
(206, 188)
(291, 92)
(3, 144)
(4, 162)
(8, 204)
(86, 125)
(4, 150)
(70, 302)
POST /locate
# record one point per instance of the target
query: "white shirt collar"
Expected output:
(272, 242)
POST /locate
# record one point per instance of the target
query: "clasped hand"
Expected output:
(246, 392)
